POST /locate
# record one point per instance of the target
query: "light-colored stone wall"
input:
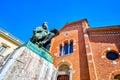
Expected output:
(26, 65)
(9, 41)
(10, 46)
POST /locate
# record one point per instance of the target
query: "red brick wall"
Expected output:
(78, 59)
(91, 45)
(71, 59)
(100, 44)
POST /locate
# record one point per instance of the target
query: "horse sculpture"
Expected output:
(42, 37)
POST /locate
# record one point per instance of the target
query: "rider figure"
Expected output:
(41, 32)
(41, 36)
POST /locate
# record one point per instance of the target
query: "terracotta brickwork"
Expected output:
(88, 60)
(77, 59)
(72, 61)
(101, 42)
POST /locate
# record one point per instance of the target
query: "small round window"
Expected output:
(117, 77)
(112, 55)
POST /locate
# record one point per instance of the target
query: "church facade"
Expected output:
(84, 53)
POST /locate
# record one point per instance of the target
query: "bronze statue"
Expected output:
(42, 37)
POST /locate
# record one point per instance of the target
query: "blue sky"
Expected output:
(20, 17)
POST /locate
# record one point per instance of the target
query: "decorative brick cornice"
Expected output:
(104, 31)
(104, 34)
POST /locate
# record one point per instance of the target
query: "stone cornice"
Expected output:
(10, 37)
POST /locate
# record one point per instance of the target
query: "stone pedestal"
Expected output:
(29, 63)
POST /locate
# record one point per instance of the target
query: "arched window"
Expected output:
(63, 67)
(66, 48)
(63, 72)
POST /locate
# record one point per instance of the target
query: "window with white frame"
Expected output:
(66, 48)
(2, 49)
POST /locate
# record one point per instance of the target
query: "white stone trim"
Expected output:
(74, 43)
(108, 49)
(86, 35)
(90, 61)
(63, 60)
(103, 56)
(88, 54)
(86, 46)
(114, 62)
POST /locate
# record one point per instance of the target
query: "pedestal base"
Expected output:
(25, 64)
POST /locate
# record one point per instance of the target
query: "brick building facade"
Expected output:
(84, 53)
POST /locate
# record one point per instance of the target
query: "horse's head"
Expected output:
(55, 31)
